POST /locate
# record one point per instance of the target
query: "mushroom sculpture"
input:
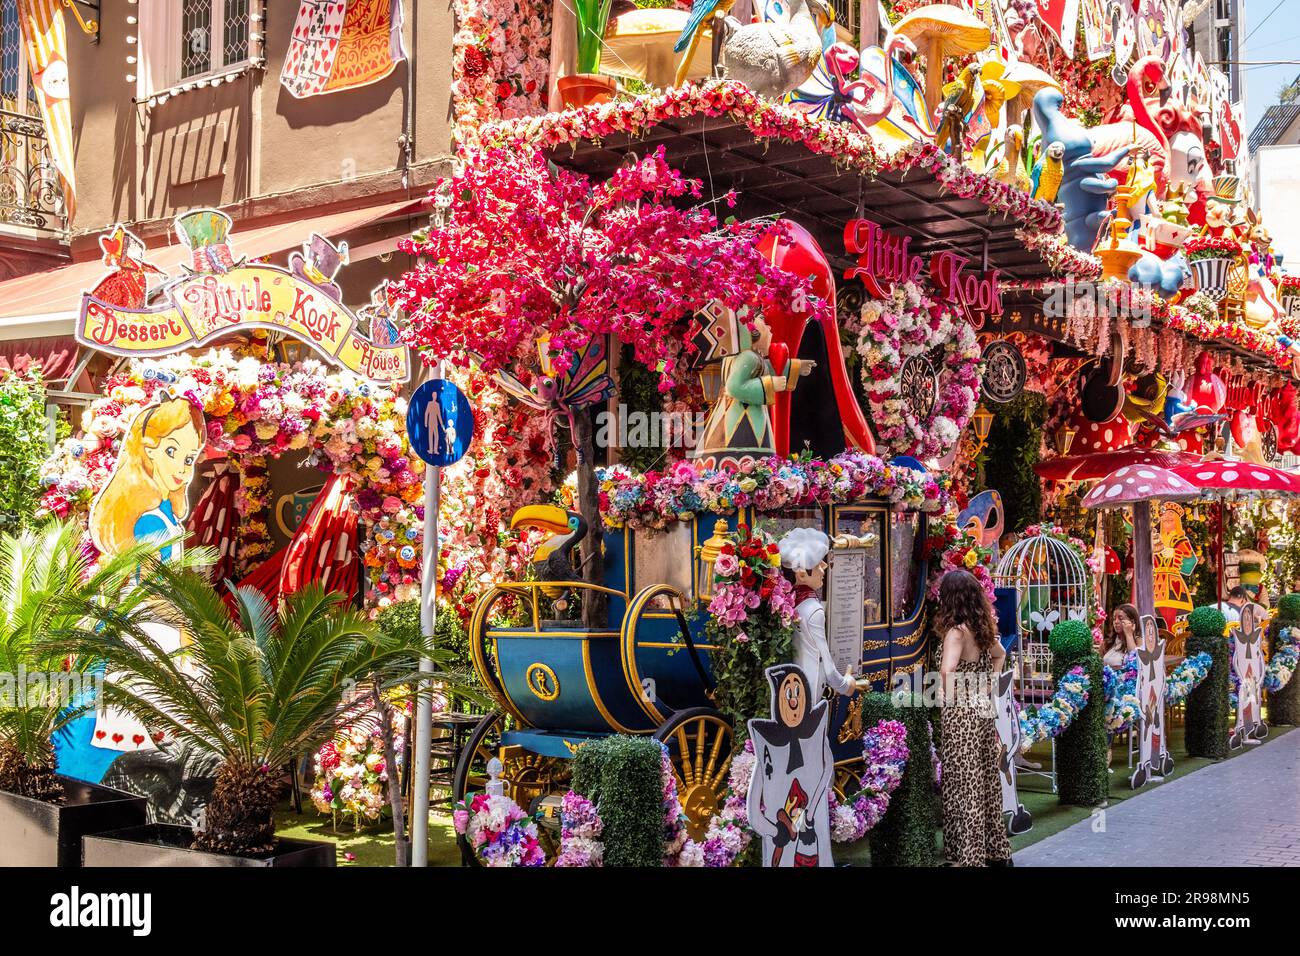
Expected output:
(940, 31)
(1137, 486)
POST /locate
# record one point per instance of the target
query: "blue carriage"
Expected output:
(558, 684)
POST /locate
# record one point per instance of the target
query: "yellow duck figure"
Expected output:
(1010, 169)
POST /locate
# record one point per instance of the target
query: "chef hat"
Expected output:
(802, 549)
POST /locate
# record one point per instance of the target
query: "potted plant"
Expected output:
(261, 687)
(1289, 293)
(47, 584)
(1210, 258)
(586, 86)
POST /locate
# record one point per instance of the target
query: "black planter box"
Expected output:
(36, 833)
(161, 844)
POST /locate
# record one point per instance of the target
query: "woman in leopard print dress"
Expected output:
(974, 830)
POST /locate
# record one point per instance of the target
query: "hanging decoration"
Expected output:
(921, 371)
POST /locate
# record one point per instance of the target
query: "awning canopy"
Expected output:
(46, 303)
(818, 190)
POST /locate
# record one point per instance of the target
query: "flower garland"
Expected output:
(769, 120)
(498, 831)
(259, 410)
(1060, 256)
(746, 577)
(884, 752)
(953, 549)
(907, 326)
(1054, 717)
(688, 489)
(351, 774)
(580, 830)
(1120, 688)
(1282, 665)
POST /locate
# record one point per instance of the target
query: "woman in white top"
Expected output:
(1123, 636)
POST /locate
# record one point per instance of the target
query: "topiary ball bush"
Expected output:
(1284, 704)
(621, 775)
(1288, 609)
(1081, 779)
(1070, 641)
(1206, 622)
(1207, 704)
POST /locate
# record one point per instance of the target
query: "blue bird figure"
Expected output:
(702, 11)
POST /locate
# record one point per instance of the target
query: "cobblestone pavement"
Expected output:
(1241, 812)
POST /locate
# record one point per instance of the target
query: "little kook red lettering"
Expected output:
(882, 259)
(978, 296)
(321, 325)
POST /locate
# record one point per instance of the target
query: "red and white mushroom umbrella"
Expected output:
(1223, 479)
(1139, 485)
(1097, 464)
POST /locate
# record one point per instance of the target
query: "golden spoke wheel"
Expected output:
(848, 779)
(699, 743)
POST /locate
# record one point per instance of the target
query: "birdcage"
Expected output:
(1053, 585)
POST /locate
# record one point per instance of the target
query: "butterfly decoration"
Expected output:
(1044, 620)
(558, 393)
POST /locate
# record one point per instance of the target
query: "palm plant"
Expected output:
(258, 688)
(48, 583)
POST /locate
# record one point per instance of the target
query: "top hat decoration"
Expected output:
(206, 233)
(319, 262)
(1226, 188)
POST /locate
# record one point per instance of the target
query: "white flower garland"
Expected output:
(910, 324)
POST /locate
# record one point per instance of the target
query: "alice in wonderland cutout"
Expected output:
(216, 294)
(145, 499)
(1248, 666)
(803, 555)
(1007, 722)
(1175, 560)
(793, 766)
(1154, 760)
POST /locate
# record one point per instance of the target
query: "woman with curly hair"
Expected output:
(974, 830)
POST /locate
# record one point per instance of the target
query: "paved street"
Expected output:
(1242, 812)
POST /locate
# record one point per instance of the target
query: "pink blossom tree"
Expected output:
(530, 253)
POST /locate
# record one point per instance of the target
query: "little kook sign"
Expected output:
(218, 295)
(884, 260)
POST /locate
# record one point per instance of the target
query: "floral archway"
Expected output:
(257, 410)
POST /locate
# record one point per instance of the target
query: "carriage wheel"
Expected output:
(699, 743)
(848, 778)
(471, 768)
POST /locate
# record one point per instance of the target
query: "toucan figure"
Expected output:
(553, 559)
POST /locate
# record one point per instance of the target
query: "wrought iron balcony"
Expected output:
(31, 192)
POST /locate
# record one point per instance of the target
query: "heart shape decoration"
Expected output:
(117, 738)
(779, 355)
(137, 739)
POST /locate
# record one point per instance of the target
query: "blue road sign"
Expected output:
(440, 422)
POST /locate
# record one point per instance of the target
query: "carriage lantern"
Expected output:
(708, 555)
(1053, 585)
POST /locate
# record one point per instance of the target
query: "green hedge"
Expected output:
(1207, 704)
(1284, 706)
(906, 834)
(621, 775)
(1081, 777)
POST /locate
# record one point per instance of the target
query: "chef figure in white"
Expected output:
(803, 555)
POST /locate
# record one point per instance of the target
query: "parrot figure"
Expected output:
(951, 114)
(702, 11)
(1048, 172)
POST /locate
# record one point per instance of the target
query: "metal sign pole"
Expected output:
(424, 702)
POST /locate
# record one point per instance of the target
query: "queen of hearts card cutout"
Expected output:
(1248, 665)
(788, 804)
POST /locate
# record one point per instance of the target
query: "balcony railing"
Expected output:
(31, 192)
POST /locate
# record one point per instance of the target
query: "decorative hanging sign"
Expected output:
(216, 295)
(884, 260)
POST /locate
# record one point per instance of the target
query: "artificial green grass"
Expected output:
(370, 846)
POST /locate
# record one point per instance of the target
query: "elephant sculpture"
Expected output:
(1085, 188)
(1166, 276)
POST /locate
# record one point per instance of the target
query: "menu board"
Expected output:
(846, 578)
